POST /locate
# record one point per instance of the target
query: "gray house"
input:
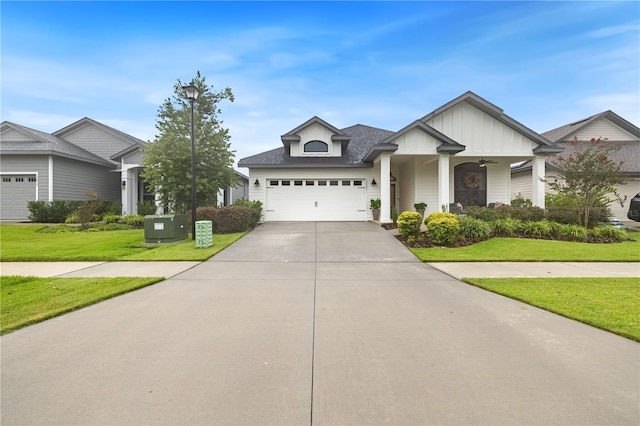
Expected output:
(63, 165)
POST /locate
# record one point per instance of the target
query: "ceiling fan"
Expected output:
(483, 162)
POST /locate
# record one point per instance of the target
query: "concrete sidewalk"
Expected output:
(315, 324)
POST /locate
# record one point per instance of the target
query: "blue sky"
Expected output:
(383, 64)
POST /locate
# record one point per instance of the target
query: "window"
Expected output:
(322, 183)
(286, 183)
(273, 182)
(357, 182)
(316, 146)
(310, 183)
(333, 182)
(346, 182)
(297, 182)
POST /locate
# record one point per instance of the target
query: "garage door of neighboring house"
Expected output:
(315, 200)
(16, 191)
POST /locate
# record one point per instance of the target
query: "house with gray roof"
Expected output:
(459, 153)
(609, 126)
(65, 164)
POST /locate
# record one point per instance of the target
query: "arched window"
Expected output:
(316, 146)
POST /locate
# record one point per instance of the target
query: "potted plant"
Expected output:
(420, 208)
(374, 204)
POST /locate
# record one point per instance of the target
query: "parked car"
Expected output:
(634, 208)
(618, 224)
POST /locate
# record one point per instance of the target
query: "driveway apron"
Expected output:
(316, 323)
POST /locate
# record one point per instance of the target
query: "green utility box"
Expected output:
(165, 228)
(204, 233)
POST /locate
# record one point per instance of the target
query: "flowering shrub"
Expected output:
(443, 230)
(438, 215)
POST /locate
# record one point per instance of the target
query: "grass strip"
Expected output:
(28, 300)
(607, 303)
(23, 243)
(532, 250)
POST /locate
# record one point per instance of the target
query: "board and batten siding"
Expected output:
(480, 133)
(604, 129)
(96, 141)
(72, 179)
(416, 142)
(29, 164)
(316, 132)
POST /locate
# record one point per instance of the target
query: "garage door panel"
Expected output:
(17, 191)
(314, 202)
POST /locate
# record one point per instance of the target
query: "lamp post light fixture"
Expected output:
(192, 93)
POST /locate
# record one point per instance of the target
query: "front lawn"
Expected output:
(533, 250)
(607, 303)
(28, 300)
(23, 243)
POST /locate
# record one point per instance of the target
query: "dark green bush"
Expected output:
(572, 232)
(506, 227)
(483, 213)
(146, 207)
(110, 208)
(229, 219)
(55, 211)
(111, 218)
(443, 231)
(609, 233)
(409, 223)
(538, 229)
(521, 202)
(474, 229)
(133, 220)
(525, 214)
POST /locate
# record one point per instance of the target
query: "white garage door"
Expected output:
(316, 200)
(17, 191)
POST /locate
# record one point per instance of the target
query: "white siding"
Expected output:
(498, 183)
(416, 142)
(602, 128)
(427, 188)
(480, 133)
(315, 132)
(521, 184)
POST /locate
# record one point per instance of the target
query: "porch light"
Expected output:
(373, 181)
(124, 184)
(257, 182)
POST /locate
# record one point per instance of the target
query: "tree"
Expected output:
(167, 161)
(589, 175)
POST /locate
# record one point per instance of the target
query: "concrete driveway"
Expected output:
(316, 323)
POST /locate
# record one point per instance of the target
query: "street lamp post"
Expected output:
(192, 93)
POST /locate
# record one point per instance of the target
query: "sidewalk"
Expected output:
(454, 269)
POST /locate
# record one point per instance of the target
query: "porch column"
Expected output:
(124, 189)
(537, 185)
(443, 182)
(385, 188)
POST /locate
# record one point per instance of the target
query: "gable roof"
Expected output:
(448, 144)
(545, 146)
(361, 138)
(292, 135)
(132, 140)
(45, 144)
(564, 132)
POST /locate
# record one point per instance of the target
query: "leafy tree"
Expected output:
(167, 162)
(589, 176)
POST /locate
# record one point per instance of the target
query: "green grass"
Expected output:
(607, 303)
(531, 250)
(28, 300)
(23, 243)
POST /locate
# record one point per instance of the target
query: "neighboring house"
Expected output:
(63, 165)
(238, 191)
(607, 125)
(461, 152)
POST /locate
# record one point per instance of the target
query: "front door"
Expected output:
(470, 185)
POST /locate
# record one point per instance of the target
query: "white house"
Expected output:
(459, 153)
(609, 126)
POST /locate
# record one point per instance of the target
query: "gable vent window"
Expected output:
(316, 146)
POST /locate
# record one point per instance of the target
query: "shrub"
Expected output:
(55, 211)
(538, 228)
(72, 218)
(147, 207)
(109, 227)
(563, 214)
(88, 209)
(439, 215)
(483, 213)
(60, 229)
(409, 223)
(572, 232)
(525, 214)
(134, 220)
(521, 202)
(110, 208)
(608, 233)
(443, 231)
(229, 219)
(474, 229)
(111, 218)
(506, 227)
